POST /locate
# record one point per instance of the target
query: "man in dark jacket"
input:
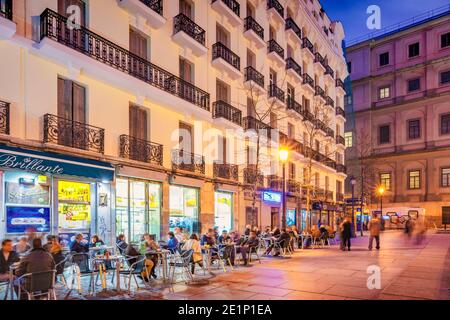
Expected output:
(38, 260)
(346, 228)
(7, 258)
(77, 246)
(251, 242)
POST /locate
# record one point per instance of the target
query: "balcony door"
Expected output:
(138, 128)
(72, 35)
(222, 35)
(72, 114)
(187, 8)
(272, 78)
(63, 5)
(251, 59)
(222, 91)
(250, 10)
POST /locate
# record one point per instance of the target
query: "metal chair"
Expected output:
(137, 268)
(37, 284)
(81, 267)
(183, 262)
(253, 250)
(5, 284)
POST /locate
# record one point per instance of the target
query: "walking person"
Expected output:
(346, 233)
(374, 229)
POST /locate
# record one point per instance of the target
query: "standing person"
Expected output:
(409, 228)
(374, 229)
(346, 233)
(7, 258)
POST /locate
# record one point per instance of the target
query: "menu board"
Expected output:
(19, 219)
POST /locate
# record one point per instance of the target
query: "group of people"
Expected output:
(374, 227)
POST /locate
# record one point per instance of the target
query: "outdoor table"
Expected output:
(305, 237)
(101, 259)
(12, 270)
(163, 255)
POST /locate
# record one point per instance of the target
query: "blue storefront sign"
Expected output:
(19, 219)
(53, 163)
(272, 197)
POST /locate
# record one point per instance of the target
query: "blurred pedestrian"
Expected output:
(22, 246)
(374, 227)
(346, 234)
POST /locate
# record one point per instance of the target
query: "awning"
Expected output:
(54, 163)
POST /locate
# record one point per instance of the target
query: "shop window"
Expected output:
(74, 206)
(184, 208)
(27, 202)
(414, 179)
(223, 210)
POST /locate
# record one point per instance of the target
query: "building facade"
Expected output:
(136, 116)
(401, 139)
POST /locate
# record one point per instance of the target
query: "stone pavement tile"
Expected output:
(261, 289)
(336, 272)
(424, 274)
(385, 296)
(270, 282)
(411, 291)
(352, 292)
(308, 286)
(414, 282)
(187, 290)
(223, 294)
(299, 295)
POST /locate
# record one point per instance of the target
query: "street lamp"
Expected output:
(381, 191)
(283, 155)
(353, 183)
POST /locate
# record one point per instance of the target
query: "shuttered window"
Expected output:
(186, 70)
(71, 101)
(138, 44)
(138, 124)
(63, 5)
(186, 8)
(222, 91)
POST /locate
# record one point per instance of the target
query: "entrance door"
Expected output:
(251, 217)
(274, 217)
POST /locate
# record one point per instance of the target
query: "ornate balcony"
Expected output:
(308, 46)
(151, 10)
(340, 86)
(329, 71)
(329, 132)
(226, 171)
(230, 9)
(254, 32)
(140, 150)
(253, 177)
(277, 94)
(320, 61)
(275, 52)
(340, 112)
(293, 187)
(186, 161)
(329, 196)
(319, 92)
(308, 82)
(73, 134)
(341, 168)
(329, 102)
(225, 59)
(108, 53)
(4, 117)
(294, 69)
(294, 106)
(254, 81)
(275, 183)
(221, 109)
(308, 116)
(275, 11)
(251, 123)
(340, 140)
(188, 34)
(293, 31)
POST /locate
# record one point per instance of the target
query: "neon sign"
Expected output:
(273, 197)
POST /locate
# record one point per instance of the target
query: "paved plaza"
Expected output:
(408, 271)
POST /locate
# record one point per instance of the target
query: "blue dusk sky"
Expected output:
(352, 13)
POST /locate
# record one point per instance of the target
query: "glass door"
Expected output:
(122, 202)
(138, 221)
(154, 209)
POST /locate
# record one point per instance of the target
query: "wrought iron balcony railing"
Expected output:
(291, 25)
(308, 44)
(233, 5)
(140, 150)
(320, 92)
(251, 123)
(226, 171)
(340, 112)
(294, 105)
(340, 140)
(4, 117)
(73, 134)
(339, 197)
(275, 92)
(329, 71)
(53, 26)
(320, 59)
(181, 22)
(292, 64)
(219, 50)
(273, 46)
(308, 80)
(341, 168)
(293, 186)
(251, 24)
(275, 5)
(329, 101)
(330, 163)
(6, 9)
(222, 109)
(251, 74)
(187, 161)
(308, 116)
(340, 83)
(155, 5)
(253, 177)
(329, 132)
(329, 195)
(274, 182)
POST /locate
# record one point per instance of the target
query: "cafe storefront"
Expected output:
(51, 193)
(184, 208)
(223, 210)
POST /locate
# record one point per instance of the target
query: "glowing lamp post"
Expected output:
(283, 155)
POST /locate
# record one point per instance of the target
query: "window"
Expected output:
(349, 67)
(187, 8)
(291, 131)
(71, 101)
(384, 92)
(413, 85)
(414, 179)
(138, 44)
(222, 91)
(384, 59)
(348, 139)
(445, 40)
(445, 123)
(348, 100)
(138, 123)
(445, 77)
(186, 70)
(64, 4)
(414, 129)
(445, 177)
(222, 35)
(250, 10)
(413, 50)
(385, 134)
(385, 181)
(251, 59)
(291, 171)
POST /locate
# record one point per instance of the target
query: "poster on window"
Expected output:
(19, 219)
(291, 217)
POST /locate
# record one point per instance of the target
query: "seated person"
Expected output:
(224, 238)
(150, 246)
(194, 245)
(121, 243)
(251, 242)
(248, 229)
(78, 245)
(178, 231)
(38, 260)
(276, 232)
(227, 247)
(7, 258)
(208, 238)
(22, 246)
(96, 242)
(172, 242)
(284, 236)
(49, 243)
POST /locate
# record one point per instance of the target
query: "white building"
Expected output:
(91, 140)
